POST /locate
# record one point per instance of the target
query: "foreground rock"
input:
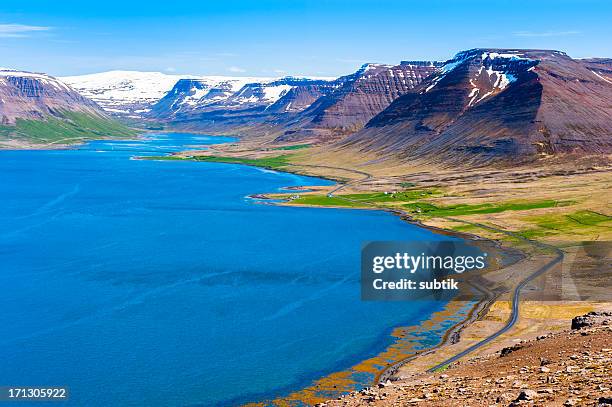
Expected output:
(571, 368)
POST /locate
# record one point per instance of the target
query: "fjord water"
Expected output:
(138, 282)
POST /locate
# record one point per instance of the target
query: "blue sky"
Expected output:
(273, 38)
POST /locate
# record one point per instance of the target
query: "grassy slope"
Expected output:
(71, 128)
(567, 219)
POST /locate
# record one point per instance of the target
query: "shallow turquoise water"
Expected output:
(160, 283)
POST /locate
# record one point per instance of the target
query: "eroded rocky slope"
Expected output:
(355, 99)
(490, 104)
(40, 109)
(28, 95)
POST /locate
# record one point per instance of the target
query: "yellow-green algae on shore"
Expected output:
(408, 341)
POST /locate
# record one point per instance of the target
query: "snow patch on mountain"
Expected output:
(273, 93)
(600, 76)
(132, 92)
(499, 68)
(124, 91)
(40, 77)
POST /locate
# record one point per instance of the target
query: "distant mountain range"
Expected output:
(291, 108)
(482, 105)
(353, 100)
(191, 97)
(123, 93)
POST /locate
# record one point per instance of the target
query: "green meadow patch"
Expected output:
(402, 196)
(466, 228)
(576, 222)
(432, 210)
(324, 200)
(366, 199)
(295, 147)
(277, 162)
(71, 128)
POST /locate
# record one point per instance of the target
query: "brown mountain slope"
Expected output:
(599, 66)
(28, 95)
(37, 109)
(316, 110)
(356, 99)
(489, 104)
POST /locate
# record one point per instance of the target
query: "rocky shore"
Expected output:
(568, 368)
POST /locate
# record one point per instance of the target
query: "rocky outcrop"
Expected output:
(601, 67)
(490, 104)
(592, 319)
(569, 368)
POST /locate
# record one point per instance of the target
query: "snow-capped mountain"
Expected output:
(193, 94)
(191, 97)
(133, 93)
(127, 93)
(296, 107)
(498, 104)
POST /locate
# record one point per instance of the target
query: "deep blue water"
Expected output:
(160, 283)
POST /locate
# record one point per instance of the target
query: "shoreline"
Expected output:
(476, 312)
(473, 314)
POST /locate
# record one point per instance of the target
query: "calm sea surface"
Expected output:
(160, 283)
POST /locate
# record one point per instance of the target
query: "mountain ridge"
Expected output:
(483, 105)
(37, 108)
(496, 104)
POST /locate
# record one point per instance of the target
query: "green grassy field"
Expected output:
(415, 202)
(324, 200)
(274, 163)
(407, 195)
(71, 128)
(295, 147)
(582, 221)
(428, 209)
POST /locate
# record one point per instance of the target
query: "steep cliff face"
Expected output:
(28, 95)
(299, 98)
(290, 93)
(356, 98)
(42, 109)
(489, 104)
(292, 108)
